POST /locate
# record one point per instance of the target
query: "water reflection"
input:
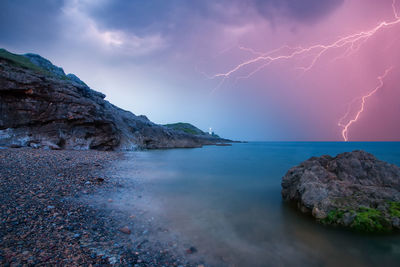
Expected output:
(226, 202)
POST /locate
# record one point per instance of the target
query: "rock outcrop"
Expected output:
(40, 106)
(189, 129)
(46, 65)
(353, 189)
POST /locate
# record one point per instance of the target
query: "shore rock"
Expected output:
(41, 107)
(125, 230)
(353, 189)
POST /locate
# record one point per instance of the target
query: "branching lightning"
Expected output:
(363, 100)
(349, 43)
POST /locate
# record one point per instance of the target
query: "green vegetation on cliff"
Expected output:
(36, 63)
(187, 128)
(20, 61)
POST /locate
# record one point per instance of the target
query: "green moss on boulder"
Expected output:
(394, 209)
(353, 190)
(363, 219)
(370, 220)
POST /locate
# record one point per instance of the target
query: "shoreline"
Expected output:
(91, 208)
(54, 210)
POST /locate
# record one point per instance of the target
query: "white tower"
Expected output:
(210, 132)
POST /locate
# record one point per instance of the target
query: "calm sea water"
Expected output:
(226, 202)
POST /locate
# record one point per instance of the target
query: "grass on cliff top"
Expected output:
(185, 127)
(24, 62)
(20, 61)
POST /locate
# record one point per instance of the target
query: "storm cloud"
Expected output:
(175, 15)
(42, 21)
(31, 22)
(156, 57)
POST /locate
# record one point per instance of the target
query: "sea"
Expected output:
(225, 202)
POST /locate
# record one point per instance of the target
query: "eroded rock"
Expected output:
(41, 107)
(353, 189)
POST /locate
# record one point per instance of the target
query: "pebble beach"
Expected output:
(46, 221)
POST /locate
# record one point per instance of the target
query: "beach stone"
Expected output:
(125, 230)
(319, 214)
(353, 189)
(112, 260)
(191, 250)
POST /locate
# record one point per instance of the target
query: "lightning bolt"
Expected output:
(351, 43)
(363, 99)
(267, 55)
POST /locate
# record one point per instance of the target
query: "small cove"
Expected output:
(226, 202)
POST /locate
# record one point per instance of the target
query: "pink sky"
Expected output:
(314, 101)
(156, 59)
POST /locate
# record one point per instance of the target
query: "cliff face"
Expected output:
(39, 108)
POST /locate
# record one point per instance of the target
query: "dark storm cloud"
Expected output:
(154, 15)
(38, 22)
(300, 10)
(29, 21)
(172, 15)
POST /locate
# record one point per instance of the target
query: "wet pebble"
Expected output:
(125, 230)
(46, 222)
(191, 250)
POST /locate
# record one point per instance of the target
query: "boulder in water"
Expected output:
(353, 190)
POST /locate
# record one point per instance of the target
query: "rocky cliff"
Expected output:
(353, 190)
(41, 106)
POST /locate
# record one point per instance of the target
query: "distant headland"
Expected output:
(41, 106)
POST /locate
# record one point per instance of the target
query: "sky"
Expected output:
(256, 70)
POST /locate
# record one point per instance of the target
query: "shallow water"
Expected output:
(226, 202)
